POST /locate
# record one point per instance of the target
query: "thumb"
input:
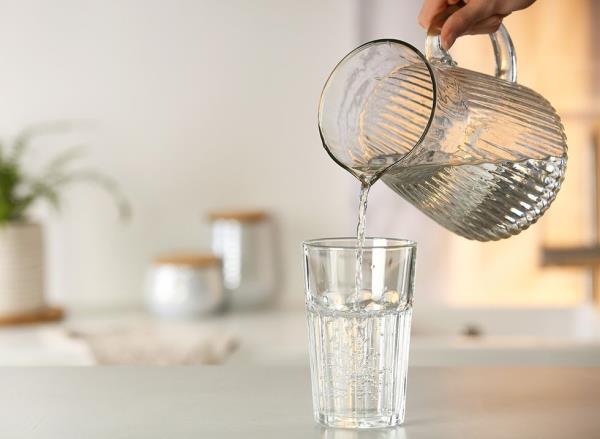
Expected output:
(459, 22)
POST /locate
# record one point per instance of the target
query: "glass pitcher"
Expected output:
(481, 155)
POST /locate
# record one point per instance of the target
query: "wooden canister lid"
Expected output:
(197, 260)
(244, 216)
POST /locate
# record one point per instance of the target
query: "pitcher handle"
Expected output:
(504, 51)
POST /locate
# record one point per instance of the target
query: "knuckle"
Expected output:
(496, 22)
(459, 23)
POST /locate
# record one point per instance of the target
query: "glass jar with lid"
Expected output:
(184, 285)
(245, 241)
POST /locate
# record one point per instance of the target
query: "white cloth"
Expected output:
(157, 343)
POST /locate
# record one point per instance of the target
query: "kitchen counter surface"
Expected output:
(215, 402)
(566, 338)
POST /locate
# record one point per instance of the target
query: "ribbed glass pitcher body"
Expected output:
(492, 159)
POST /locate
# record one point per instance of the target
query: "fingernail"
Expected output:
(448, 41)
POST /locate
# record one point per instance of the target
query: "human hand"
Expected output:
(475, 17)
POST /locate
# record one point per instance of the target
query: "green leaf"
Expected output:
(57, 164)
(23, 139)
(10, 179)
(103, 181)
(19, 191)
(40, 189)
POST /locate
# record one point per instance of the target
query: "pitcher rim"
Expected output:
(429, 121)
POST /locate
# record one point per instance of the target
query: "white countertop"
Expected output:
(279, 338)
(216, 402)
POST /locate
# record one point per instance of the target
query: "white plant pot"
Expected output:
(21, 268)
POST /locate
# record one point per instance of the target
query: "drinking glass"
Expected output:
(359, 333)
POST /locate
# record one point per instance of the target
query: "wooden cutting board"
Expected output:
(43, 315)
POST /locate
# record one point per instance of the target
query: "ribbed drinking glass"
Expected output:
(359, 335)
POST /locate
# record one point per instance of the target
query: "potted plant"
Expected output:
(21, 240)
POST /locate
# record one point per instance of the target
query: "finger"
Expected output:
(487, 26)
(459, 22)
(431, 8)
(506, 8)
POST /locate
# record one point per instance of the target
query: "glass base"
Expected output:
(359, 422)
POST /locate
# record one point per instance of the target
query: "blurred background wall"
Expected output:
(191, 106)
